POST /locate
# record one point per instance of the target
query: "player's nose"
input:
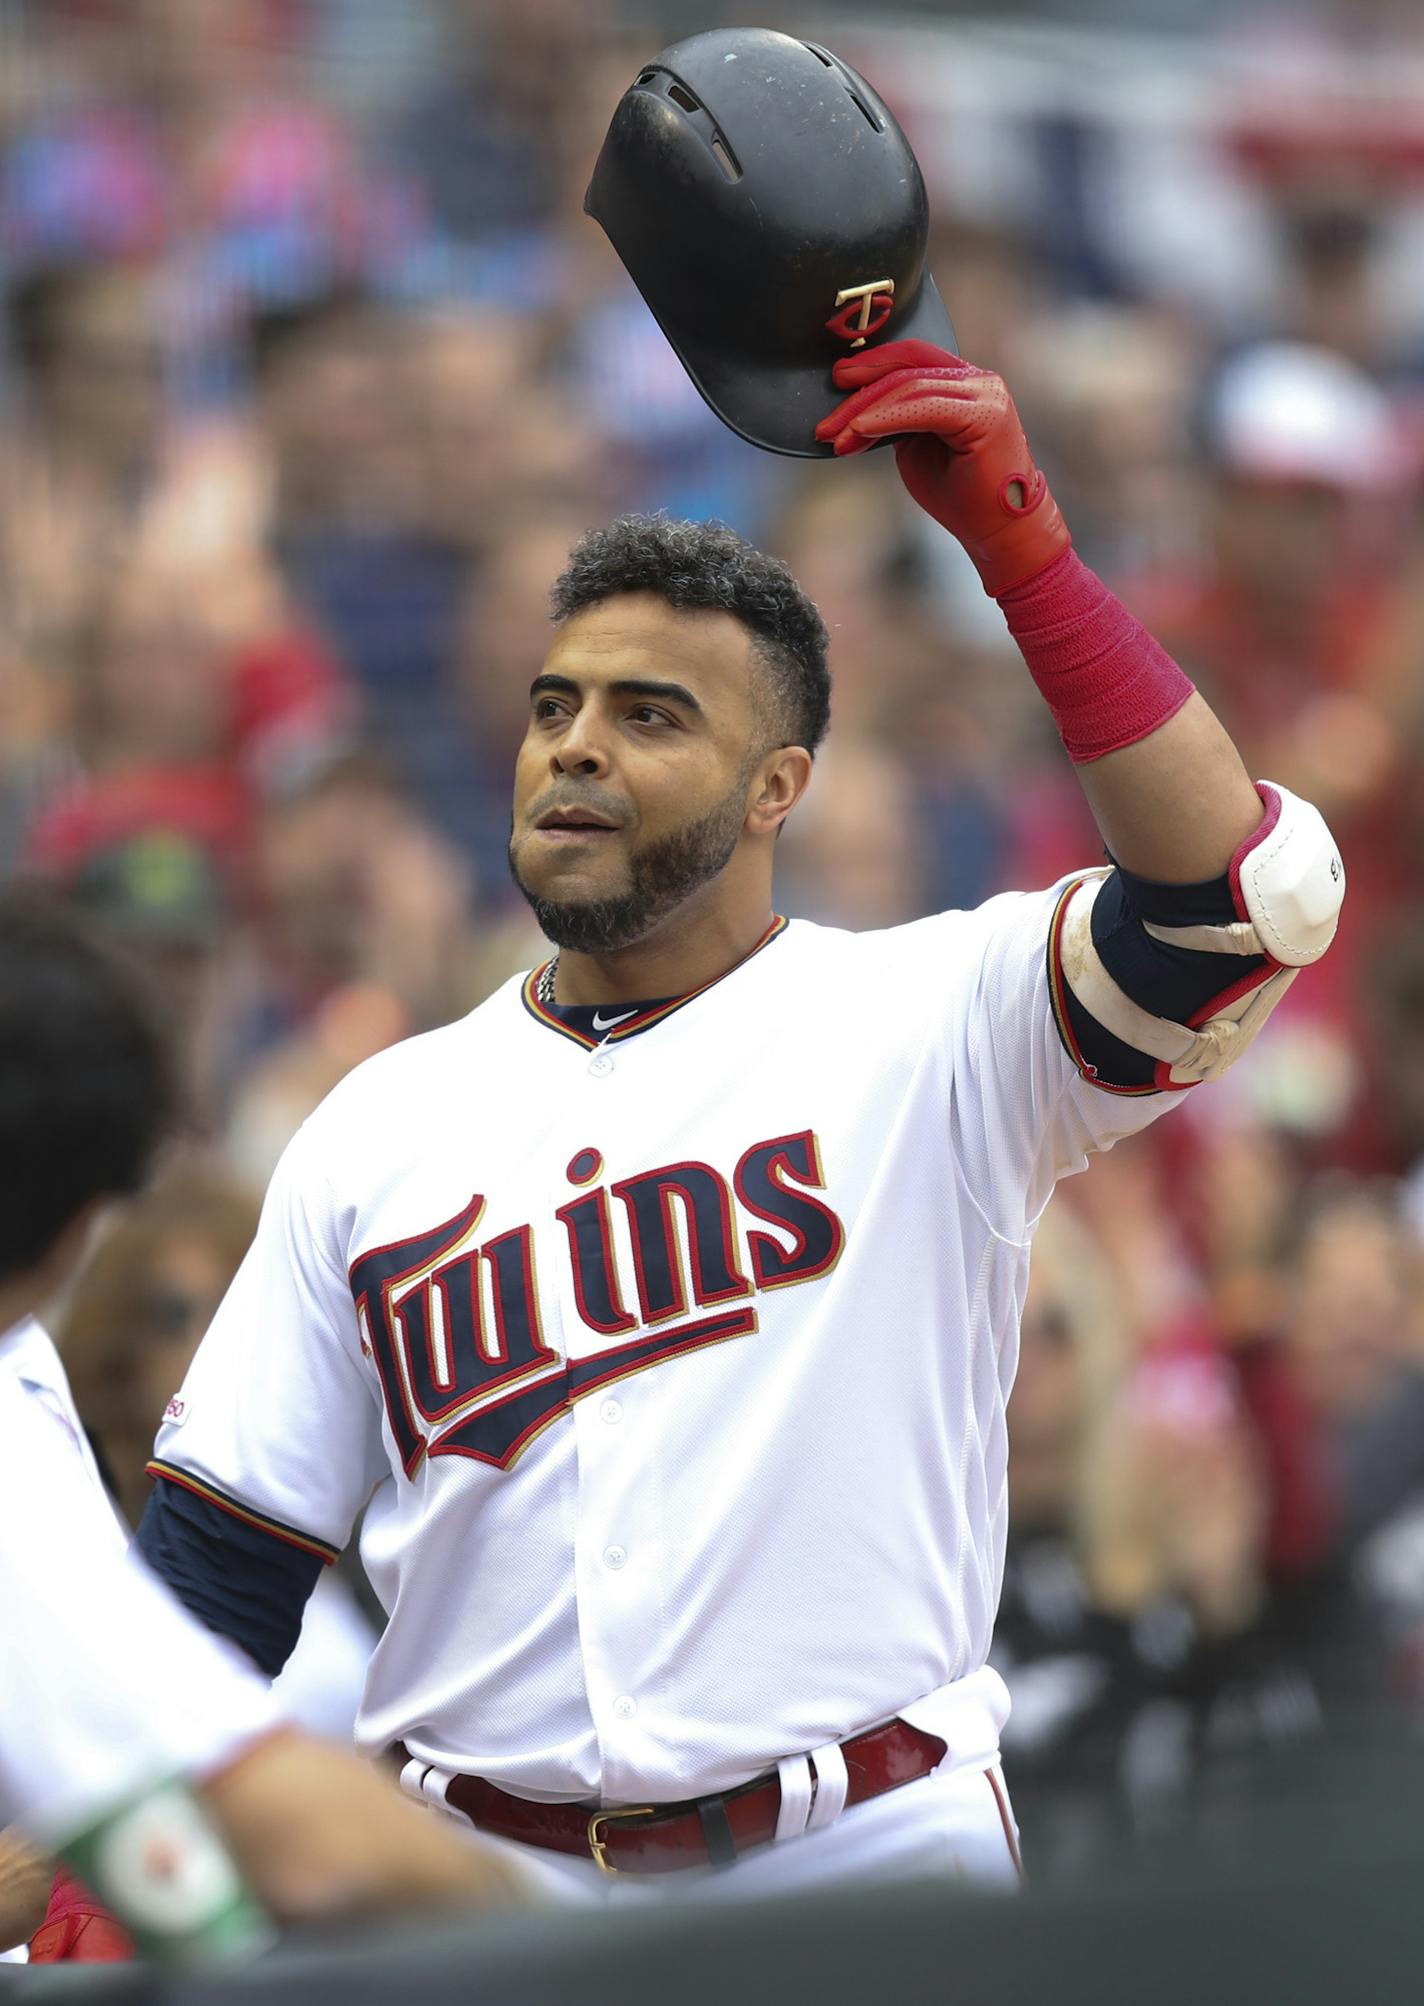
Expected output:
(582, 746)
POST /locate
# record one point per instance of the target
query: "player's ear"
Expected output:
(778, 784)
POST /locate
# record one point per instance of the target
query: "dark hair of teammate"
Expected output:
(705, 565)
(86, 1092)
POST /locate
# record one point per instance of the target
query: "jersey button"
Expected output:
(600, 1065)
(612, 1411)
(615, 1557)
(625, 1706)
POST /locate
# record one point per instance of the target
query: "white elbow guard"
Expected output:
(1290, 879)
(1286, 883)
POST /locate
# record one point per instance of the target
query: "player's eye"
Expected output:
(547, 707)
(646, 713)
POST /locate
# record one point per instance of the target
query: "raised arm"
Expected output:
(1164, 781)
(1163, 969)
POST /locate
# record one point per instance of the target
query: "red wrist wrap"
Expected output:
(1105, 679)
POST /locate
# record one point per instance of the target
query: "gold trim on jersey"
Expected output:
(306, 1542)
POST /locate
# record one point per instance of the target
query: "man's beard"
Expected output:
(664, 876)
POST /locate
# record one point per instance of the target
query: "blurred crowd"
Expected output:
(313, 369)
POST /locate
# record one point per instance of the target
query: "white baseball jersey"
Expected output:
(673, 1359)
(28, 1356)
(106, 1685)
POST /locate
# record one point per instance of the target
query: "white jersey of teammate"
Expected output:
(672, 1361)
(106, 1685)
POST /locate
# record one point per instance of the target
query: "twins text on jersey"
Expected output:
(452, 1322)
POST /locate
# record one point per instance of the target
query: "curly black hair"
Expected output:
(705, 564)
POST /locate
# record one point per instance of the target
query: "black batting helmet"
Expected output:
(771, 213)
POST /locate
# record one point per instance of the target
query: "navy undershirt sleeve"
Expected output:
(235, 1578)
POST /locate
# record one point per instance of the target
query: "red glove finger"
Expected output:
(904, 387)
(957, 412)
(868, 365)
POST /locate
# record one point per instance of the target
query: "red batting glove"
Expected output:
(963, 455)
(77, 1930)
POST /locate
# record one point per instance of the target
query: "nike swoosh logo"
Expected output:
(607, 1023)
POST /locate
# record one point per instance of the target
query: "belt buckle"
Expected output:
(598, 1826)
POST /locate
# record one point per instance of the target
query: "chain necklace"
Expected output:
(546, 982)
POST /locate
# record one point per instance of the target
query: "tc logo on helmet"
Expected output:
(857, 304)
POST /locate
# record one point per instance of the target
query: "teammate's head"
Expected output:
(678, 712)
(85, 1088)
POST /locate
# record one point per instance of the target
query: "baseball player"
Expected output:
(660, 1315)
(115, 1707)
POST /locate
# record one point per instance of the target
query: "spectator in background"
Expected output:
(191, 658)
(1355, 1331)
(1114, 385)
(1337, 181)
(907, 695)
(493, 427)
(161, 895)
(36, 750)
(152, 632)
(340, 479)
(152, 688)
(84, 340)
(321, 371)
(487, 141)
(1293, 616)
(194, 694)
(855, 860)
(127, 1335)
(1301, 620)
(141, 1302)
(363, 935)
(186, 123)
(1149, 1686)
(853, 546)
(85, 336)
(1349, 1338)
(1332, 237)
(392, 450)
